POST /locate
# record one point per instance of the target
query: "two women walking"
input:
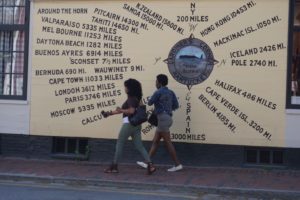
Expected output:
(165, 102)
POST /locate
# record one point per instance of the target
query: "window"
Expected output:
(70, 147)
(293, 89)
(251, 156)
(264, 156)
(14, 31)
(0, 144)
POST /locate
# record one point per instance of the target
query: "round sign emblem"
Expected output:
(190, 61)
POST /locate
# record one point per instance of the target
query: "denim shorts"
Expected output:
(165, 121)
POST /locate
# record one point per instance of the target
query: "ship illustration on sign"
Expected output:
(190, 56)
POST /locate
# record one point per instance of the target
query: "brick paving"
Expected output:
(238, 179)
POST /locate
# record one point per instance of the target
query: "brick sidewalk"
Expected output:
(191, 178)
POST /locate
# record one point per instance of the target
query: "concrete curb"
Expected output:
(282, 194)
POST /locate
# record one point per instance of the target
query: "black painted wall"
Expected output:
(102, 150)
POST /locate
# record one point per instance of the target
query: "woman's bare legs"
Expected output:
(170, 146)
(155, 144)
(168, 143)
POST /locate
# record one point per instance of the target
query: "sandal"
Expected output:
(113, 168)
(150, 168)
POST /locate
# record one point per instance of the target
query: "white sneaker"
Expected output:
(142, 164)
(175, 168)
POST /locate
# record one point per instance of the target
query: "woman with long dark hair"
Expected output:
(134, 93)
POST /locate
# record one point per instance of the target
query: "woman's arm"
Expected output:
(128, 111)
(153, 98)
(119, 110)
(175, 104)
(109, 113)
